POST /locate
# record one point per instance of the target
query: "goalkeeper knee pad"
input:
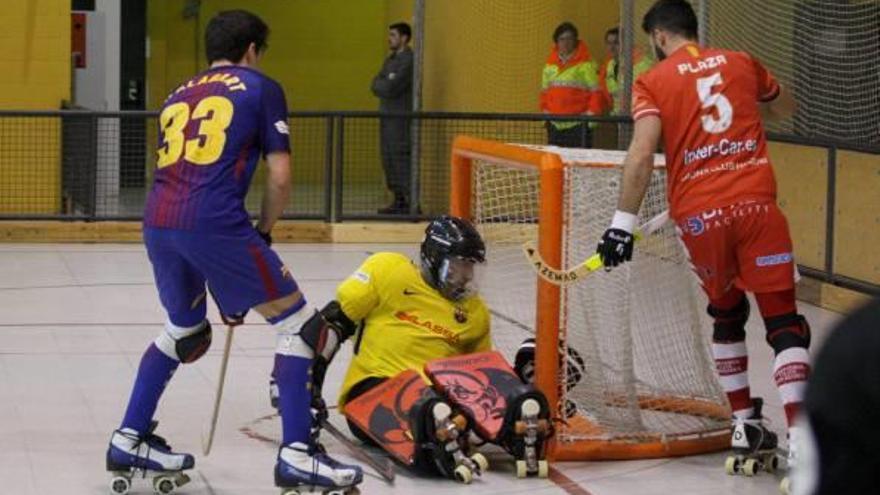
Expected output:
(326, 330)
(185, 344)
(570, 360)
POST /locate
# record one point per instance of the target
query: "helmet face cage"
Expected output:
(450, 250)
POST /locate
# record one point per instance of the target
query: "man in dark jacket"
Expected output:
(394, 87)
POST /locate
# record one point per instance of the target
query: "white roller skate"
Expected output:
(754, 446)
(133, 454)
(304, 469)
(795, 436)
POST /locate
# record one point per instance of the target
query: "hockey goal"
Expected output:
(636, 336)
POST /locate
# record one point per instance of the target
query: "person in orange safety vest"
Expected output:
(570, 86)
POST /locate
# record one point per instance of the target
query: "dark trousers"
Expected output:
(395, 145)
(579, 136)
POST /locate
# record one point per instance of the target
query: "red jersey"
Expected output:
(716, 151)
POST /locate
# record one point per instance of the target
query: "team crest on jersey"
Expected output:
(282, 127)
(460, 315)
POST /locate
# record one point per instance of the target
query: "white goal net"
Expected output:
(636, 336)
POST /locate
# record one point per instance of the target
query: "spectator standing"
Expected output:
(393, 85)
(610, 75)
(570, 86)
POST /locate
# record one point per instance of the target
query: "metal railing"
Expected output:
(92, 166)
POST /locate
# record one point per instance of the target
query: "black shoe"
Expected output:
(399, 206)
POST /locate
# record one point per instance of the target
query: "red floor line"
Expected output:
(569, 485)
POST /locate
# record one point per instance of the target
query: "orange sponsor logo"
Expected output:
(432, 327)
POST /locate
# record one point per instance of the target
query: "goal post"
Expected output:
(626, 382)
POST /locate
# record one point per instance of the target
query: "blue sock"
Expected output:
(292, 377)
(153, 374)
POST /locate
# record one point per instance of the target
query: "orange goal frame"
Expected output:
(465, 150)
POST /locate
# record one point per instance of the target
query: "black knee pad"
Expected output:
(730, 324)
(573, 363)
(326, 330)
(787, 331)
(192, 347)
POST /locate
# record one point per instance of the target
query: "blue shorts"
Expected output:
(241, 270)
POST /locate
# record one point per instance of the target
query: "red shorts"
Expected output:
(746, 245)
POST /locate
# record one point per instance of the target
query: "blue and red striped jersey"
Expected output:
(212, 131)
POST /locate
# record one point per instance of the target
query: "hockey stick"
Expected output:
(209, 440)
(572, 275)
(384, 467)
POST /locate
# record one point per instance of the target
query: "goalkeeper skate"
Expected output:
(417, 427)
(502, 409)
(755, 448)
(132, 454)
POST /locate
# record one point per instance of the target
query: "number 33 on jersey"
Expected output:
(708, 103)
(213, 114)
(212, 131)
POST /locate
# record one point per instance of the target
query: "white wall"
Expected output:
(97, 86)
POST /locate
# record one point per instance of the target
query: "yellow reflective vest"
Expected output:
(571, 87)
(612, 81)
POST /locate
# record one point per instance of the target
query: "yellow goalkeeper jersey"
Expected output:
(406, 322)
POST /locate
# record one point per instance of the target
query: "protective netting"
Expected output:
(825, 51)
(639, 330)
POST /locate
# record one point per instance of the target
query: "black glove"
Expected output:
(615, 247)
(265, 236)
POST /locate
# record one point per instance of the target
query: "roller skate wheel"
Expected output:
(463, 475)
(120, 485)
(460, 422)
(750, 467)
(481, 462)
(521, 469)
(771, 463)
(731, 465)
(530, 408)
(543, 469)
(785, 486)
(441, 411)
(164, 485)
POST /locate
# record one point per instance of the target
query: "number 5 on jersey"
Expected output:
(717, 100)
(214, 114)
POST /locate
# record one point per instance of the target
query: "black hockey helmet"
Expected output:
(450, 240)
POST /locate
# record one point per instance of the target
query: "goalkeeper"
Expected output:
(412, 313)
(405, 314)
